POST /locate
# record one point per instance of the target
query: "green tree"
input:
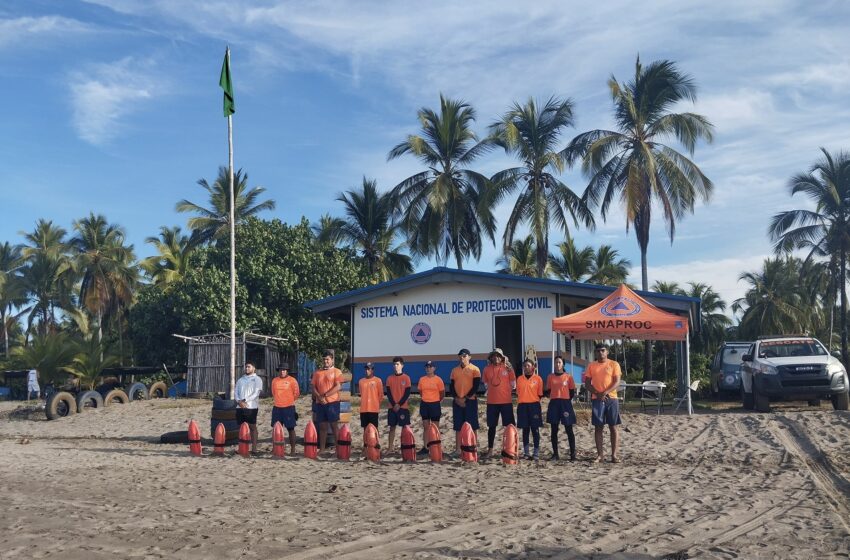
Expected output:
(49, 354)
(572, 264)
(48, 277)
(773, 302)
(213, 222)
(531, 134)
(520, 259)
(608, 268)
(824, 231)
(172, 259)
(328, 230)
(712, 317)
(448, 206)
(12, 293)
(663, 287)
(90, 359)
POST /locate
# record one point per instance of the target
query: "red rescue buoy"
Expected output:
(278, 443)
(408, 445)
(371, 445)
(311, 441)
(244, 447)
(510, 445)
(218, 442)
(435, 446)
(343, 443)
(194, 439)
(468, 444)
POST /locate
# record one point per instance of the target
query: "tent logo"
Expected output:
(420, 333)
(620, 306)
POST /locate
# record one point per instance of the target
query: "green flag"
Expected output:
(227, 85)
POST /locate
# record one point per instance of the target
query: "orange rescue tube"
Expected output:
(311, 441)
(371, 445)
(278, 442)
(408, 445)
(343, 443)
(244, 447)
(218, 442)
(435, 446)
(510, 445)
(194, 439)
(468, 444)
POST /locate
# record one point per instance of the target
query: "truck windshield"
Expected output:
(732, 356)
(791, 348)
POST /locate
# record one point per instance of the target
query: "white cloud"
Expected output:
(26, 29)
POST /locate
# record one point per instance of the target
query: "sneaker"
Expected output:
(572, 456)
(536, 455)
(555, 457)
(422, 452)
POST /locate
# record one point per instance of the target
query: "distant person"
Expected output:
(398, 395)
(433, 391)
(248, 390)
(500, 380)
(327, 383)
(561, 390)
(32, 384)
(464, 382)
(371, 390)
(529, 391)
(285, 392)
(602, 378)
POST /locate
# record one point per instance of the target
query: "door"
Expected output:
(508, 335)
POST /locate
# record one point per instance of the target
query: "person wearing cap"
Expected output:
(433, 391)
(602, 377)
(371, 390)
(561, 390)
(327, 383)
(500, 381)
(529, 391)
(398, 393)
(464, 382)
(285, 392)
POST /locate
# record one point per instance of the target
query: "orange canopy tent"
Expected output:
(624, 315)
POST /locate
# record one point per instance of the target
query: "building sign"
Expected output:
(457, 307)
(420, 333)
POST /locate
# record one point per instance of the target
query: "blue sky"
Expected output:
(112, 106)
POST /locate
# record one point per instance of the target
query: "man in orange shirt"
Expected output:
(464, 382)
(500, 380)
(432, 390)
(602, 378)
(326, 385)
(371, 390)
(529, 391)
(398, 393)
(561, 390)
(285, 392)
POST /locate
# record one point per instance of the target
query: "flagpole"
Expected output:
(232, 249)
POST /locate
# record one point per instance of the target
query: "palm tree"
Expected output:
(663, 287)
(47, 279)
(531, 134)
(447, 207)
(12, 293)
(49, 354)
(328, 230)
(572, 265)
(213, 223)
(714, 321)
(520, 259)
(172, 262)
(371, 229)
(824, 231)
(90, 359)
(607, 268)
(773, 304)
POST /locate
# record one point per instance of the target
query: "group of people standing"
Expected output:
(498, 381)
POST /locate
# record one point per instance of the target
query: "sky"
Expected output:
(113, 106)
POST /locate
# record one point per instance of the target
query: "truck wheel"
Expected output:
(814, 402)
(747, 399)
(760, 402)
(89, 399)
(158, 390)
(841, 401)
(115, 396)
(59, 405)
(137, 392)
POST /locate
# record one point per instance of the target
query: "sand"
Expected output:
(717, 485)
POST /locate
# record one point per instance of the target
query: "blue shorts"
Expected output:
(468, 413)
(430, 410)
(605, 412)
(529, 415)
(561, 410)
(286, 416)
(494, 411)
(327, 412)
(400, 418)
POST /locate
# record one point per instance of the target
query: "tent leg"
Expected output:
(688, 371)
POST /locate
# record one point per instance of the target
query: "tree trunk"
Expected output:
(542, 251)
(647, 345)
(844, 308)
(459, 260)
(5, 336)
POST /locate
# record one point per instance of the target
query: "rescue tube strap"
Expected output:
(311, 444)
(343, 442)
(507, 455)
(434, 442)
(195, 441)
(408, 446)
(468, 448)
(279, 443)
(244, 440)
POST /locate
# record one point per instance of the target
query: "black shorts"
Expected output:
(529, 415)
(248, 415)
(505, 411)
(561, 411)
(367, 418)
(400, 418)
(430, 410)
(468, 413)
(285, 415)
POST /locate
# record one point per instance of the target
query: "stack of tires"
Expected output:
(224, 412)
(63, 403)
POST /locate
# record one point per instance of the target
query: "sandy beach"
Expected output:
(717, 485)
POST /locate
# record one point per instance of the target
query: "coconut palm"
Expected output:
(12, 293)
(531, 134)
(447, 208)
(607, 268)
(50, 354)
(572, 264)
(91, 357)
(714, 321)
(47, 278)
(172, 261)
(371, 230)
(328, 230)
(213, 222)
(663, 287)
(520, 259)
(773, 303)
(825, 230)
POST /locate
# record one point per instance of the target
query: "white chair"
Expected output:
(694, 387)
(652, 392)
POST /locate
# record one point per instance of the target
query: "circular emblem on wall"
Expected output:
(420, 333)
(620, 307)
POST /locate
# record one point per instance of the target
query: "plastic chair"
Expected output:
(694, 387)
(652, 392)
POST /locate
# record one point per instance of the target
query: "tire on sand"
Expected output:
(841, 401)
(115, 396)
(89, 399)
(59, 405)
(137, 392)
(761, 402)
(158, 390)
(181, 436)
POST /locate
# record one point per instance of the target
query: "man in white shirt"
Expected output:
(248, 390)
(32, 384)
